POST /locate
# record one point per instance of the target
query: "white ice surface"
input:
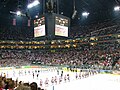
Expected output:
(96, 82)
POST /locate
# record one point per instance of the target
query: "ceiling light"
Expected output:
(36, 16)
(30, 6)
(18, 13)
(117, 8)
(85, 14)
(35, 3)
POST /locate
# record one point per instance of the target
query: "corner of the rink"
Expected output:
(111, 72)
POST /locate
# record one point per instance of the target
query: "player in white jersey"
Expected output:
(46, 82)
(41, 83)
(52, 80)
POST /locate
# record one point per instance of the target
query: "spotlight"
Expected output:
(117, 8)
(61, 12)
(35, 3)
(36, 16)
(18, 13)
(85, 14)
(30, 6)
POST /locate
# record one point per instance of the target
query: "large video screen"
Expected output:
(61, 26)
(39, 27)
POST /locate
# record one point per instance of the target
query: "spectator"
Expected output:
(34, 86)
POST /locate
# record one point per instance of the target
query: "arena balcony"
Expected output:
(59, 44)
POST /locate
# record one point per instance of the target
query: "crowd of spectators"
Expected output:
(24, 32)
(9, 84)
(99, 29)
(106, 31)
(15, 32)
(90, 55)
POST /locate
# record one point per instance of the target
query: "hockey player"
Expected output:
(41, 83)
(46, 82)
(52, 80)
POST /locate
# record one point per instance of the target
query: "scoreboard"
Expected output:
(39, 27)
(61, 26)
(51, 25)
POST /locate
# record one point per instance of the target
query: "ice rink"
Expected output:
(97, 82)
(94, 82)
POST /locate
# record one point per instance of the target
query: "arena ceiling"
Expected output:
(100, 10)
